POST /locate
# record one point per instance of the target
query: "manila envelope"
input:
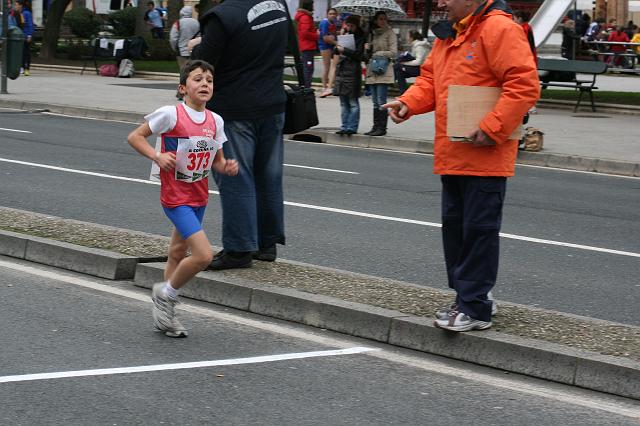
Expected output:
(467, 106)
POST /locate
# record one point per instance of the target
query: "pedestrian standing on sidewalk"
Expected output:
(479, 45)
(381, 49)
(349, 78)
(191, 145)
(326, 43)
(246, 41)
(307, 39)
(182, 31)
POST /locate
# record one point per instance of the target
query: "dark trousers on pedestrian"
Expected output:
(402, 72)
(26, 55)
(306, 56)
(471, 219)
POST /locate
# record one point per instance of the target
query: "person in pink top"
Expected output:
(191, 139)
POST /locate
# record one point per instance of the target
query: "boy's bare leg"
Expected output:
(177, 252)
(332, 70)
(188, 267)
(326, 66)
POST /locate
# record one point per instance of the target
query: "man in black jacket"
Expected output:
(245, 40)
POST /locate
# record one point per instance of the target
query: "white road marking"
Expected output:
(182, 365)
(347, 212)
(537, 388)
(422, 154)
(321, 169)
(14, 130)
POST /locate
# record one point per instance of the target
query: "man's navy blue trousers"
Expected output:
(471, 219)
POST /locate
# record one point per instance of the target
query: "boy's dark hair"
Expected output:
(150, 3)
(416, 35)
(190, 66)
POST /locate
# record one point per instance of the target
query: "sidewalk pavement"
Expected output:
(605, 141)
(579, 351)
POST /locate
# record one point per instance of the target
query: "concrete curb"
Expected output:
(542, 159)
(535, 358)
(90, 261)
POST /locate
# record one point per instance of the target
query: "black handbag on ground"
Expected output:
(300, 112)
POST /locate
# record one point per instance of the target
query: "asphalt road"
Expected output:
(58, 328)
(558, 208)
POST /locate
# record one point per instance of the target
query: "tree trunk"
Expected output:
(52, 28)
(174, 7)
(142, 29)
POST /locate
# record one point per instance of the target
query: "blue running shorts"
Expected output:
(186, 219)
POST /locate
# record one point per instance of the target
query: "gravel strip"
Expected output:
(579, 332)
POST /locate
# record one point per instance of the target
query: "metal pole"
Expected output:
(426, 18)
(5, 45)
(576, 43)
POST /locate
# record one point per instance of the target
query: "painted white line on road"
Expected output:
(182, 365)
(515, 383)
(321, 169)
(14, 130)
(347, 212)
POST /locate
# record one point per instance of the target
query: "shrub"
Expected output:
(123, 22)
(160, 50)
(82, 22)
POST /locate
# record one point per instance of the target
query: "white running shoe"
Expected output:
(458, 321)
(164, 316)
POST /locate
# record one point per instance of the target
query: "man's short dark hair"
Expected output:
(190, 66)
(525, 15)
(416, 35)
(150, 3)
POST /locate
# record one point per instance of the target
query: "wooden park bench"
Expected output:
(564, 73)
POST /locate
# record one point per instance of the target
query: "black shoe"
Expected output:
(373, 130)
(341, 132)
(378, 132)
(230, 260)
(350, 132)
(266, 254)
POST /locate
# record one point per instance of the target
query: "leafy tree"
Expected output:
(82, 22)
(52, 28)
(123, 21)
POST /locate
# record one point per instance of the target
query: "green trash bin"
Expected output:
(15, 44)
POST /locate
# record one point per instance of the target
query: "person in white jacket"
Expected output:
(183, 30)
(408, 64)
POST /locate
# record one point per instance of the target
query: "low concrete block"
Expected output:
(211, 287)
(12, 244)
(609, 374)
(489, 348)
(616, 167)
(572, 162)
(533, 158)
(406, 145)
(100, 263)
(324, 312)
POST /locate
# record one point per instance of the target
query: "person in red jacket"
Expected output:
(479, 45)
(620, 36)
(307, 38)
(522, 17)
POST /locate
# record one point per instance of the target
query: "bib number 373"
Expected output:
(194, 158)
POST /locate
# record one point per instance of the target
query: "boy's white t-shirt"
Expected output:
(165, 118)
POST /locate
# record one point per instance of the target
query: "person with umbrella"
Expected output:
(380, 50)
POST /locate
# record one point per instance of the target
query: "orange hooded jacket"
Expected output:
(492, 51)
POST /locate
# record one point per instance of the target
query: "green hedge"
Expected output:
(82, 22)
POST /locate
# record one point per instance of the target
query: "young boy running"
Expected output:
(191, 145)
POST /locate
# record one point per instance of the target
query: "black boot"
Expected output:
(375, 123)
(380, 119)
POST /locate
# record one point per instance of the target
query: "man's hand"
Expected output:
(166, 160)
(480, 138)
(397, 111)
(193, 43)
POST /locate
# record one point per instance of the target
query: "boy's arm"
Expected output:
(138, 140)
(224, 166)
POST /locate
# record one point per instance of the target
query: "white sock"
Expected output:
(170, 291)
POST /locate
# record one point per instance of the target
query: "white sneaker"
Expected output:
(443, 313)
(164, 317)
(458, 321)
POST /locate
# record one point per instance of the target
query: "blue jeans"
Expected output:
(379, 95)
(306, 56)
(252, 202)
(350, 108)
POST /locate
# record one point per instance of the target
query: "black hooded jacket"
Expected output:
(245, 41)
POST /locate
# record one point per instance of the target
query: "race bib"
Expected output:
(194, 158)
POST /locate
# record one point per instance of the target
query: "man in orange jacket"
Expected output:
(479, 45)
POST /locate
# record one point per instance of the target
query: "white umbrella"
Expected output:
(370, 7)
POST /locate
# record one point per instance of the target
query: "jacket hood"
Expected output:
(303, 12)
(424, 43)
(186, 12)
(444, 29)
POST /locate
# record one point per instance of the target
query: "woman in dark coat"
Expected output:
(349, 78)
